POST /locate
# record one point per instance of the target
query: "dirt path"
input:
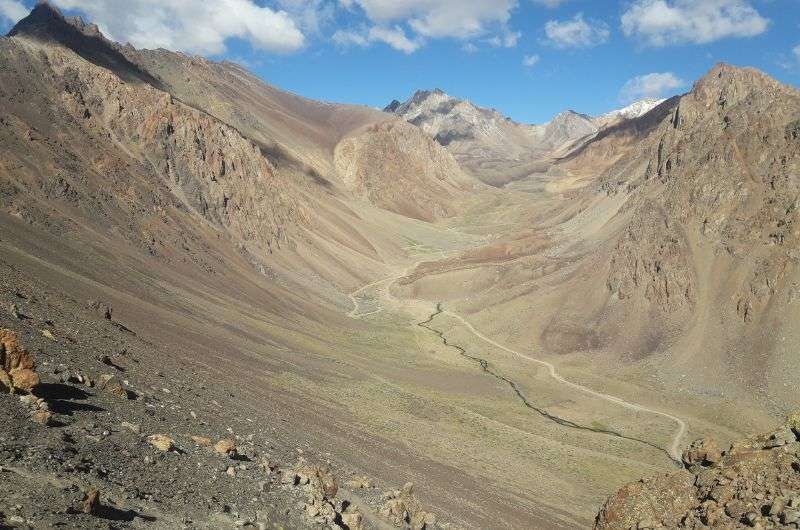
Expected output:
(674, 450)
(484, 364)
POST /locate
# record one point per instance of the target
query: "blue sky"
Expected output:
(527, 58)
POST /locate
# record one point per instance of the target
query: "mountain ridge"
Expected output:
(477, 135)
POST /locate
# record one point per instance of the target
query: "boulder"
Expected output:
(781, 437)
(225, 447)
(101, 308)
(403, 509)
(353, 520)
(91, 502)
(111, 385)
(42, 417)
(202, 441)
(16, 364)
(320, 480)
(6, 386)
(161, 442)
(702, 453)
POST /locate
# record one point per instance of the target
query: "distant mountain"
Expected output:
(565, 130)
(632, 111)
(486, 143)
(495, 148)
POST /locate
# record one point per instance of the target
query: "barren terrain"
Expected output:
(327, 288)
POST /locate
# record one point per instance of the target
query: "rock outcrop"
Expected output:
(702, 192)
(404, 509)
(17, 366)
(397, 167)
(754, 483)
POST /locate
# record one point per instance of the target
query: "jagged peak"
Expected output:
(46, 23)
(392, 107)
(42, 16)
(422, 95)
(732, 82)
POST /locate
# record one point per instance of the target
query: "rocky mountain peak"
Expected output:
(47, 24)
(46, 21)
(41, 21)
(570, 114)
(392, 107)
(726, 84)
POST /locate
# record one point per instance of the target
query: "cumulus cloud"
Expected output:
(663, 22)
(197, 27)
(653, 85)
(439, 18)
(310, 15)
(530, 61)
(392, 36)
(12, 11)
(576, 32)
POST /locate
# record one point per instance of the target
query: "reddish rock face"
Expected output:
(753, 482)
(17, 366)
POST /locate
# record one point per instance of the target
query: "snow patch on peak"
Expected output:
(634, 110)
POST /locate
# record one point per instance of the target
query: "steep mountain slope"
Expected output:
(294, 130)
(224, 239)
(486, 143)
(370, 161)
(300, 136)
(692, 220)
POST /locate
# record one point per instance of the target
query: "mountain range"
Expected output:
(225, 305)
(496, 149)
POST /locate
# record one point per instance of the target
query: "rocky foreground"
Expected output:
(95, 434)
(753, 484)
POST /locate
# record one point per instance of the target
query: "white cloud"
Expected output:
(550, 3)
(530, 61)
(197, 27)
(576, 32)
(796, 52)
(663, 22)
(310, 15)
(393, 36)
(439, 18)
(350, 38)
(12, 10)
(653, 85)
(506, 40)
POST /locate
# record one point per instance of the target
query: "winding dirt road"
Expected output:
(674, 450)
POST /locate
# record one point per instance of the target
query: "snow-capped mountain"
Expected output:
(632, 111)
(483, 139)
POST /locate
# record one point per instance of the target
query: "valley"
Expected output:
(457, 320)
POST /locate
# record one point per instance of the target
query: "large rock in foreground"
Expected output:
(17, 367)
(755, 483)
